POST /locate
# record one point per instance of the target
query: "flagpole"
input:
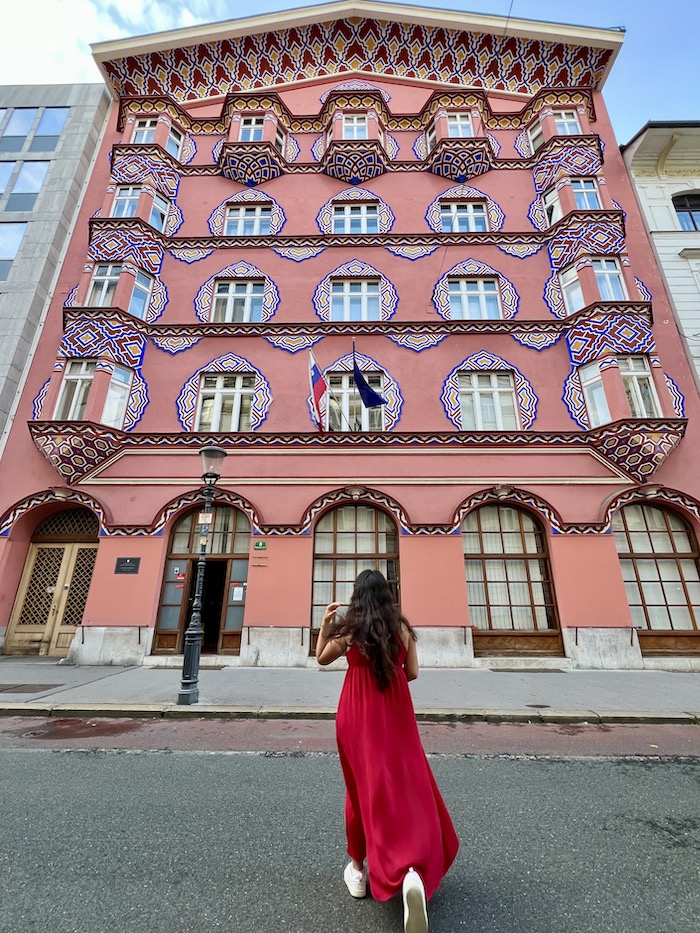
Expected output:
(354, 384)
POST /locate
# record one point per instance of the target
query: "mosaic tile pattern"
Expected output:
(521, 249)
(138, 400)
(173, 221)
(293, 343)
(114, 245)
(221, 497)
(661, 496)
(460, 159)
(188, 150)
(677, 396)
(72, 299)
(298, 253)
(601, 333)
(291, 149)
(417, 342)
(157, 302)
(204, 298)
(495, 145)
(470, 268)
(175, 344)
(553, 297)
(406, 50)
(483, 360)
(574, 401)
(250, 196)
(318, 147)
(324, 219)
(412, 252)
(537, 216)
(189, 254)
(38, 403)
(536, 340)
(228, 363)
(522, 144)
(565, 158)
(420, 147)
(601, 237)
(355, 269)
(41, 498)
(390, 389)
(216, 149)
(644, 292)
(639, 453)
(515, 496)
(105, 339)
(355, 85)
(78, 449)
(250, 165)
(464, 193)
(134, 169)
(355, 162)
(391, 146)
(340, 497)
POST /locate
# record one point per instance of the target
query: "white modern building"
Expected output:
(663, 161)
(48, 136)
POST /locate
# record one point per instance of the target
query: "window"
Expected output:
(459, 125)
(345, 409)
(49, 130)
(586, 194)
(117, 397)
(174, 142)
(466, 217)
(552, 206)
(594, 395)
(10, 239)
(126, 201)
(355, 300)
(536, 136)
(104, 285)
(348, 540)
(72, 400)
(27, 186)
(355, 218)
(238, 302)
(639, 386)
(571, 290)
(6, 170)
(609, 280)
(252, 129)
(430, 138)
(487, 401)
(355, 126)
(17, 129)
(474, 299)
(280, 140)
(687, 208)
(248, 221)
(145, 131)
(566, 123)
(159, 212)
(659, 562)
(509, 581)
(141, 295)
(225, 401)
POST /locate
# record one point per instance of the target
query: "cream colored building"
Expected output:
(663, 160)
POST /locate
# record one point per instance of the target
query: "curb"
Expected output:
(198, 711)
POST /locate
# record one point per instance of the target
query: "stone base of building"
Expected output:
(603, 648)
(445, 647)
(121, 646)
(274, 647)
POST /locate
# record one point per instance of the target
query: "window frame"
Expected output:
(585, 194)
(109, 282)
(343, 394)
(149, 128)
(458, 287)
(346, 210)
(565, 119)
(250, 125)
(142, 289)
(27, 199)
(176, 137)
(73, 408)
(244, 213)
(460, 120)
(352, 122)
(158, 214)
(495, 392)
(607, 270)
(243, 388)
(469, 211)
(593, 393)
(343, 294)
(6, 261)
(632, 380)
(129, 201)
(535, 134)
(687, 210)
(570, 285)
(118, 392)
(249, 290)
(551, 204)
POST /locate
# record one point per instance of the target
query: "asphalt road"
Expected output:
(160, 841)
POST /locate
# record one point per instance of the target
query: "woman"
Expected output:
(395, 817)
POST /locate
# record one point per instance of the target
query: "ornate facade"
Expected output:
(446, 195)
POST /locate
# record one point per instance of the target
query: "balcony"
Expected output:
(460, 159)
(354, 161)
(251, 163)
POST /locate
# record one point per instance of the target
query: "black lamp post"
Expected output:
(212, 458)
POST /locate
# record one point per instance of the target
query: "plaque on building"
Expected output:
(127, 565)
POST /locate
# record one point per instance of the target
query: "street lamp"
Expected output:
(212, 458)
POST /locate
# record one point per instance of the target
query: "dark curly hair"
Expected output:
(373, 621)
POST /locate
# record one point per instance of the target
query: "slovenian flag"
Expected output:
(370, 398)
(319, 388)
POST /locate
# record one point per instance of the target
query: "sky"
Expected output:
(655, 76)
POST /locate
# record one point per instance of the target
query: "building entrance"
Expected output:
(54, 586)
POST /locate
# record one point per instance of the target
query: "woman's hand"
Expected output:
(329, 614)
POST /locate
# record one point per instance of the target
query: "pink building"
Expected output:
(445, 190)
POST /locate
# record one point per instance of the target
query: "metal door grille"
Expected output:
(79, 586)
(70, 523)
(41, 589)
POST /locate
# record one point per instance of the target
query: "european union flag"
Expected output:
(370, 398)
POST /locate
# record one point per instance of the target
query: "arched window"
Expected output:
(509, 581)
(348, 540)
(225, 582)
(659, 560)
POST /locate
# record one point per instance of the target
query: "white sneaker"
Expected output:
(415, 913)
(355, 880)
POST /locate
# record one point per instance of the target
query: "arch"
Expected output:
(510, 587)
(467, 193)
(390, 388)
(471, 268)
(483, 360)
(51, 497)
(239, 270)
(228, 363)
(510, 494)
(354, 494)
(355, 269)
(178, 506)
(659, 560)
(217, 217)
(386, 218)
(670, 498)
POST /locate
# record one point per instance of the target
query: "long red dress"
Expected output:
(394, 813)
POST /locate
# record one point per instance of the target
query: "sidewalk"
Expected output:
(45, 687)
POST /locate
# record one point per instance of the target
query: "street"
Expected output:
(162, 839)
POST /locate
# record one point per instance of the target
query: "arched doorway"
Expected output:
(225, 583)
(659, 561)
(54, 585)
(348, 540)
(509, 583)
